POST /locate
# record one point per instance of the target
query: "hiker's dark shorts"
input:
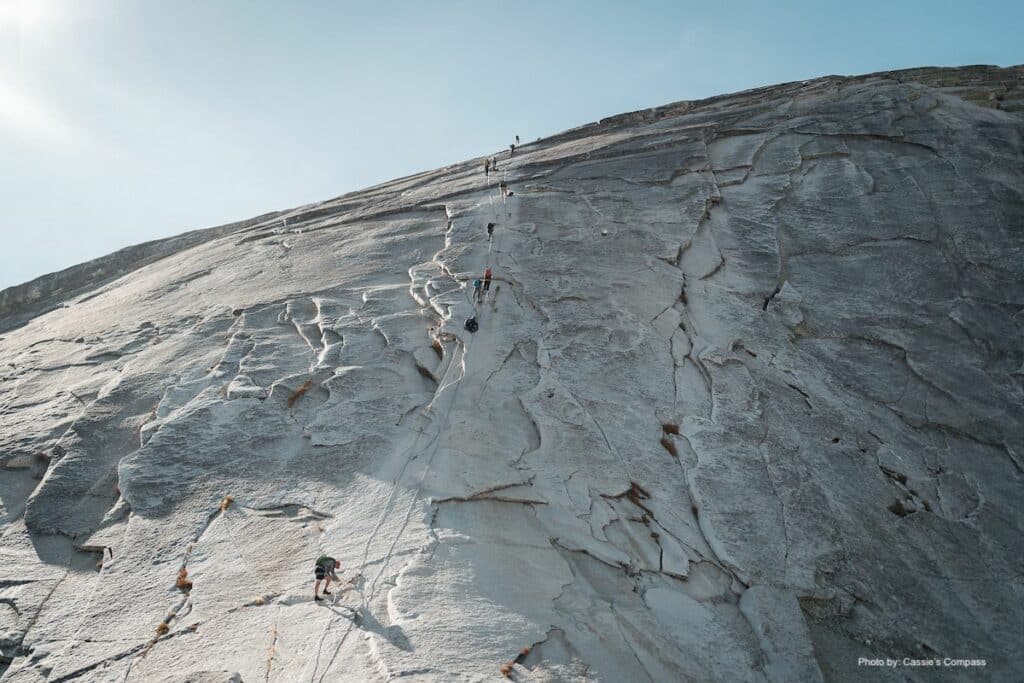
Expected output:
(321, 572)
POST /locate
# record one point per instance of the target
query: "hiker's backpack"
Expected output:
(472, 325)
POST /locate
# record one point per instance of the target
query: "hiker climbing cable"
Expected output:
(477, 291)
(487, 166)
(490, 231)
(511, 150)
(517, 139)
(487, 279)
(326, 568)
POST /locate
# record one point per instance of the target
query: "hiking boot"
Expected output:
(318, 598)
(327, 592)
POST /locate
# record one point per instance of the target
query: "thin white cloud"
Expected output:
(23, 114)
(686, 49)
(26, 16)
(26, 26)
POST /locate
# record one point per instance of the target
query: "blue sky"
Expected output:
(122, 122)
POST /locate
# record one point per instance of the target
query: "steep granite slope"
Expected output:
(745, 404)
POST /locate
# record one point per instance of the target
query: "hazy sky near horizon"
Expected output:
(125, 121)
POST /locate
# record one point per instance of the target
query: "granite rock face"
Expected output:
(745, 404)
